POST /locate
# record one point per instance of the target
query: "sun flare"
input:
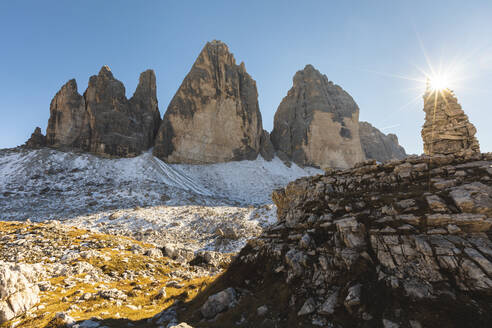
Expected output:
(438, 82)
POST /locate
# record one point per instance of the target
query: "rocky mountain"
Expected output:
(376, 145)
(103, 120)
(401, 244)
(214, 116)
(447, 129)
(317, 123)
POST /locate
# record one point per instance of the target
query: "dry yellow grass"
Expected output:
(141, 291)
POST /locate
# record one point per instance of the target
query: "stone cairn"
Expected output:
(446, 129)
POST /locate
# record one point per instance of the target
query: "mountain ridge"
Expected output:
(214, 117)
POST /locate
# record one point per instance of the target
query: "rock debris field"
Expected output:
(86, 237)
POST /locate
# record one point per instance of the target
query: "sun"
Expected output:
(438, 82)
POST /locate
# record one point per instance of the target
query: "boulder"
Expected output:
(379, 146)
(317, 123)
(447, 129)
(103, 120)
(214, 116)
(18, 289)
(218, 303)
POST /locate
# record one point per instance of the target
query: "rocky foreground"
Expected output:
(401, 244)
(52, 275)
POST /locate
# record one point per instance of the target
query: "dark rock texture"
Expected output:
(37, 139)
(214, 116)
(103, 120)
(266, 147)
(68, 125)
(401, 244)
(446, 129)
(379, 146)
(317, 123)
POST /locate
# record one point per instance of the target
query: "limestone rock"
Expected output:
(214, 116)
(37, 139)
(377, 145)
(144, 106)
(118, 126)
(103, 120)
(317, 123)
(371, 246)
(446, 129)
(181, 325)
(18, 291)
(68, 125)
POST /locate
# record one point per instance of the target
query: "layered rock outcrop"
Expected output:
(401, 244)
(214, 116)
(103, 120)
(379, 146)
(447, 129)
(317, 123)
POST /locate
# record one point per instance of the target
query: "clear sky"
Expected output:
(376, 50)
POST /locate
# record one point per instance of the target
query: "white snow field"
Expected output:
(205, 207)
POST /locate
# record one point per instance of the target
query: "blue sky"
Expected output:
(374, 49)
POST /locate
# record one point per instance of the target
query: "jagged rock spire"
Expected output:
(103, 120)
(317, 123)
(214, 116)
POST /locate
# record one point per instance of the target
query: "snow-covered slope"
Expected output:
(143, 196)
(246, 181)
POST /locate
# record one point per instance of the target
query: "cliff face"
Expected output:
(68, 125)
(214, 116)
(447, 129)
(317, 123)
(401, 244)
(103, 120)
(377, 145)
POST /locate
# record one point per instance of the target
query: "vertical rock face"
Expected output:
(376, 145)
(68, 125)
(37, 139)
(214, 116)
(317, 123)
(266, 147)
(446, 129)
(145, 107)
(103, 120)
